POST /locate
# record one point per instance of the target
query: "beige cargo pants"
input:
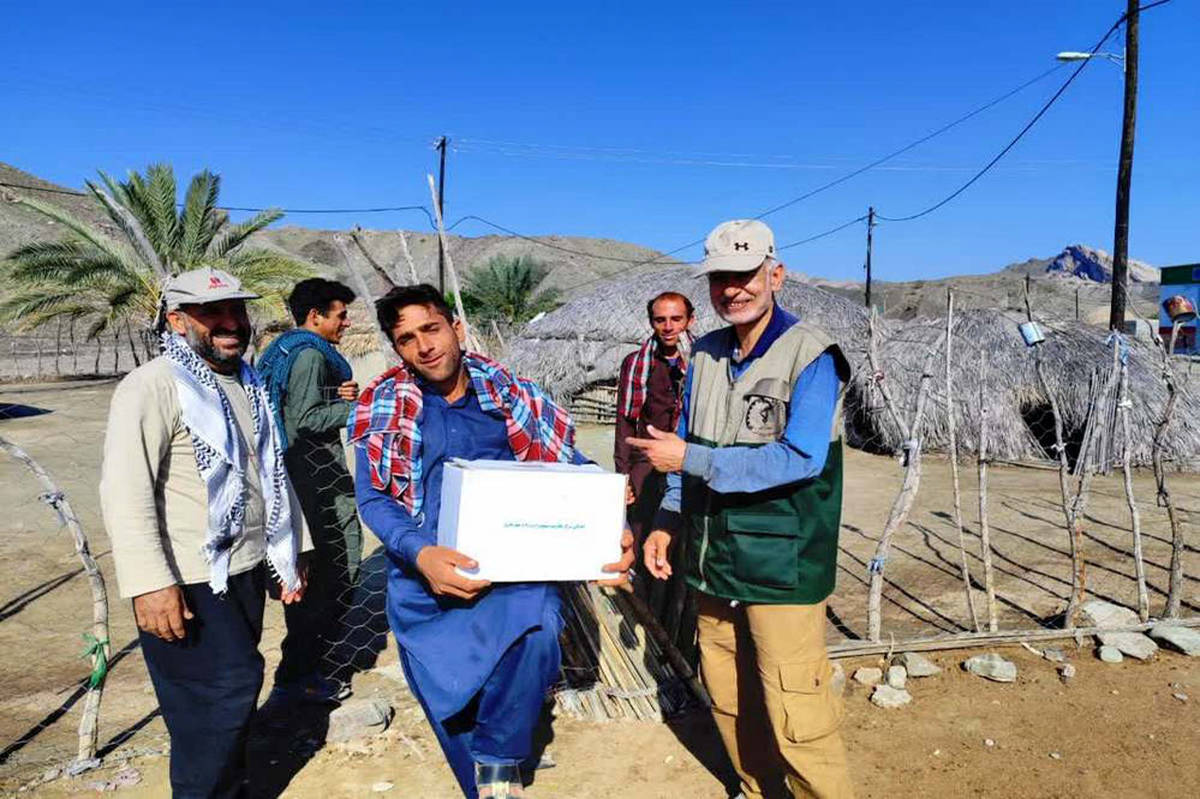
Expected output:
(767, 672)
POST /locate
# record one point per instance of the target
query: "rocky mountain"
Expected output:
(1071, 284)
(1074, 284)
(1096, 265)
(575, 261)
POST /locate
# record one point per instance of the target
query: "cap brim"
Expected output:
(731, 263)
(175, 302)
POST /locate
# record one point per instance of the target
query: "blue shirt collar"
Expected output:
(779, 324)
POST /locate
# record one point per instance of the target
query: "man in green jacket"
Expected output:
(755, 482)
(312, 389)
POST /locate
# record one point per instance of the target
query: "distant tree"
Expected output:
(110, 280)
(505, 290)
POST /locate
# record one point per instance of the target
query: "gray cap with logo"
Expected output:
(739, 245)
(201, 286)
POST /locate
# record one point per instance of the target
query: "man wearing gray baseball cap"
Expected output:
(202, 519)
(754, 492)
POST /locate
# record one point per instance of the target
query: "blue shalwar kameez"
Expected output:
(480, 669)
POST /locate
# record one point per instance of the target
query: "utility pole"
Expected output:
(870, 229)
(441, 199)
(1120, 266)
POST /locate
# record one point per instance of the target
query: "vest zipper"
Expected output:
(704, 541)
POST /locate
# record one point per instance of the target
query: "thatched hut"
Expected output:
(582, 343)
(1020, 419)
(580, 346)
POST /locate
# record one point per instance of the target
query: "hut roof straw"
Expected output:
(1072, 353)
(584, 341)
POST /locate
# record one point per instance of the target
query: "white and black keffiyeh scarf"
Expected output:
(221, 459)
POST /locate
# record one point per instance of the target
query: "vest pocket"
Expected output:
(766, 549)
(811, 710)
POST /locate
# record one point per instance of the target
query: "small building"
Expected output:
(1184, 281)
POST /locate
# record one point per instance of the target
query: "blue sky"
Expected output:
(635, 121)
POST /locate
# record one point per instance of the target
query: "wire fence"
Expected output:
(63, 351)
(956, 529)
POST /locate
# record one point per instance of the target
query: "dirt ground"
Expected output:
(1118, 730)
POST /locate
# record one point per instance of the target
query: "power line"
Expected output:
(879, 161)
(549, 245)
(829, 232)
(249, 209)
(1013, 143)
(918, 142)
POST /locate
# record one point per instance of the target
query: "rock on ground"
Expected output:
(1099, 613)
(1105, 614)
(838, 680)
(992, 667)
(1110, 654)
(359, 719)
(916, 665)
(1135, 645)
(868, 675)
(897, 677)
(1054, 655)
(1181, 639)
(887, 696)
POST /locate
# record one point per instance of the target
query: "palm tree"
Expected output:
(110, 280)
(505, 290)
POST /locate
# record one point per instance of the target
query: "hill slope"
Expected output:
(576, 262)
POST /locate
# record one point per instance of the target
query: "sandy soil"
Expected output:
(1118, 729)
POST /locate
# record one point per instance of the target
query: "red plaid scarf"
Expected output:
(386, 420)
(638, 376)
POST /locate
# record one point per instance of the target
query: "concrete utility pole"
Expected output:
(870, 229)
(1120, 266)
(441, 200)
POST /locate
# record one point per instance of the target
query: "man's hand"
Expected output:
(348, 391)
(437, 565)
(630, 497)
(665, 451)
(162, 613)
(654, 554)
(621, 567)
(289, 597)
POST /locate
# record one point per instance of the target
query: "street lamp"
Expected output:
(1129, 65)
(1071, 55)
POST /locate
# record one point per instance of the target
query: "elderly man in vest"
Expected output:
(755, 482)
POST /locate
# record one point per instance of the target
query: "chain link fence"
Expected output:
(985, 496)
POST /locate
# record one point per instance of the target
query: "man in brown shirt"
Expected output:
(649, 391)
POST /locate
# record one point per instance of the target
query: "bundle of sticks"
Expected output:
(618, 662)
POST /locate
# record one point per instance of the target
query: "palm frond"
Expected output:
(235, 235)
(268, 273)
(161, 198)
(31, 309)
(52, 260)
(506, 289)
(265, 266)
(132, 229)
(77, 226)
(200, 219)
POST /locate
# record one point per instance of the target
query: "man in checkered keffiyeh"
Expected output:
(649, 394)
(480, 657)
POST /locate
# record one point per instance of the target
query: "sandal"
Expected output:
(495, 781)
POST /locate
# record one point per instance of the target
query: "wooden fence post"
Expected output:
(912, 473)
(100, 651)
(985, 532)
(953, 443)
(1175, 583)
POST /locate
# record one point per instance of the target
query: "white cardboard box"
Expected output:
(533, 521)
